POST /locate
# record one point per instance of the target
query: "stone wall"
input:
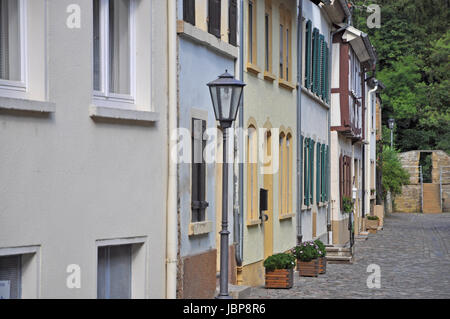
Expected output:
(410, 199)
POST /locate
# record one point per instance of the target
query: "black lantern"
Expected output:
(391, 123)
(226, 93)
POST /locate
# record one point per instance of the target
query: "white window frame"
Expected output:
(104, 97)
(19, 86)
(139, 261)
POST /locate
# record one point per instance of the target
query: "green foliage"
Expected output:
(322, 249)
(307, 251)
(279, 261)
(372, 218)
(394, 175)
(413, 49)
(347, 204)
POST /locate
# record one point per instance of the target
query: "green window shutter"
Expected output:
(317, 64)
(318, 174)
(327, 75)
(311, 172)
(306, 173)
(321, 68)
(324, 174)
(308, 55)
(327, 159)
(314, 59)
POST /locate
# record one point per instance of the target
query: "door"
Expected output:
(268, 185)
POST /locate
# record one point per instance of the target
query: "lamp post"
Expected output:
(391, 123)
(226, 94)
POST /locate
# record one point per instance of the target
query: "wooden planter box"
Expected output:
(280, 279)
(308, 268)
(322, 265)
(372, 224)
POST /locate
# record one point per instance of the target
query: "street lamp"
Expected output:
(226, 93)
(391, 123)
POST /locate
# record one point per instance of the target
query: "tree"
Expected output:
(394, 175)
(413, 49)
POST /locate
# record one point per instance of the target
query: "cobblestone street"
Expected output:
(412, 251)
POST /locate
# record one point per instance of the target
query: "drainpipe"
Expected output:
(299, 121)
(239, 212)
(370, 94)
(330, 63)
(172, 237)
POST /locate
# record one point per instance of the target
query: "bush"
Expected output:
(347, 204)
(372, 218)
(306, 251)
(322, 249)
(394, 175)
(279, 261)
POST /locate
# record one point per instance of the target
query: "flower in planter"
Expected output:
(372, 218)
(306, 251)
(322, 249)
(279, 261)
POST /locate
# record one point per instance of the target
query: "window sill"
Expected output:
(201, 228)
(191, 32)
(15, 104)
(253, 69)
(269, 76)
(251, 223)
(286, 216)
(113, 113)
(315, 97)
(286, 85)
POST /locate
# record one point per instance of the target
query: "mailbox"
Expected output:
(263, 205)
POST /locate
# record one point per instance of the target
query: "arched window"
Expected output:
(252, 177)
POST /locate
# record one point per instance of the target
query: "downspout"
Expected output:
(369, 134)
(172, 235)
(299, 121)
(239, 212)
(330, 63)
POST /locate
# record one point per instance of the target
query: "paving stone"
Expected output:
(413, 254)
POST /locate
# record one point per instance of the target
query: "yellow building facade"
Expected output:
(269, 112)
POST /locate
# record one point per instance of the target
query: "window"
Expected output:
(10, 277)
(345, 177)
(308, 54)
(311, 171)
(114, 272)
(281, 52)
(114, 68)
(214, 13)
(189, 11)
(252, 50)
(252, 177)
(232, 22)
(285, 44)
(268, 36)
(289, 173)
(198, 187)
(12, 56)
(282, 174)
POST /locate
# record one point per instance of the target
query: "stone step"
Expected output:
(237, 292)
(339, 259)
